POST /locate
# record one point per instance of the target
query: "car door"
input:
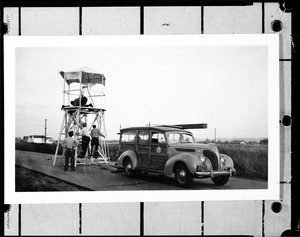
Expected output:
(143, 148)
(158, 150)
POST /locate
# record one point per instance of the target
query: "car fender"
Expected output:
(229, 162)
(131, 155)
(191, 161)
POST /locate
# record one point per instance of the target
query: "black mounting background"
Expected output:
(292, 7)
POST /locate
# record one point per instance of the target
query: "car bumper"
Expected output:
(212, 174)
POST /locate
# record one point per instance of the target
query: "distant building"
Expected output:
(38, 139)
(243, 143)
(264, 141)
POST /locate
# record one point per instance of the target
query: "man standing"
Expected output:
(95, 133)
(85, 139)
(69, 144)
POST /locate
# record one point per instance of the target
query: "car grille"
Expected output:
(212, 157)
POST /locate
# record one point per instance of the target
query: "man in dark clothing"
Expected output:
(83, 102)
(85, 140)
(95, 133)
(76, 102)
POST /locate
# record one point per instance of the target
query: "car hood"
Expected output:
(197, 147)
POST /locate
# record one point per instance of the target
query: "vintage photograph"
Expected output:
(144, 113)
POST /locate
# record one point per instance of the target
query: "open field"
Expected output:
(251, 161)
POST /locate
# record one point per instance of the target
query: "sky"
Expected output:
(223, 86)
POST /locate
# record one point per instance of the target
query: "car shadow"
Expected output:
(153, 178)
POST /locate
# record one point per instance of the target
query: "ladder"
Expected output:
(72, 119)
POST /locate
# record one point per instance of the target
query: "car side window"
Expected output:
(173, 137)
(180, 138)
(143, 137)
(158, 137)
(128, 137)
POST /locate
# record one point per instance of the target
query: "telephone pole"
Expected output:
(45, 130)
(215, 135)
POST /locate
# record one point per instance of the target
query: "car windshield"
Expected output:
(180, 137)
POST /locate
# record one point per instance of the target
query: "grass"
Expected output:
(32, 181)
(250, 161)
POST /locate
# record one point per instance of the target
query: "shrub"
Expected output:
(38, 147)
(113, 151)
(50, 148)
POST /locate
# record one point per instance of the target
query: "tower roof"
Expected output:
(85, 75)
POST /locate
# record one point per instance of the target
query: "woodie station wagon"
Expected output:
(165, 150)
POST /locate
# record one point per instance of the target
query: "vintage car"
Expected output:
(171, 149)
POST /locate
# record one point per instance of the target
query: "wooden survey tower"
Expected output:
(83, 102)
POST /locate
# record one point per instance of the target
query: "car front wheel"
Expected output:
(221, 180)
(128, 168)
(183, 176)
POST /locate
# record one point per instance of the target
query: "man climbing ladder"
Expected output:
(95, 134)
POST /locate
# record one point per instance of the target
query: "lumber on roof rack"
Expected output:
(191, 126)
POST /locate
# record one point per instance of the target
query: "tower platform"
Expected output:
(82, 109)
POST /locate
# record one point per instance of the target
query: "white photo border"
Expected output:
(269, 40)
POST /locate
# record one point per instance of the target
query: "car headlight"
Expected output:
(203, 159)
(223, 160)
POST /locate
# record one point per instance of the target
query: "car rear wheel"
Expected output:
(183, 176)
(128, 168)
(221, 180)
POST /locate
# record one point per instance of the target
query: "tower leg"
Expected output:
(105, 144)
(59, 138)
(75, 157)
